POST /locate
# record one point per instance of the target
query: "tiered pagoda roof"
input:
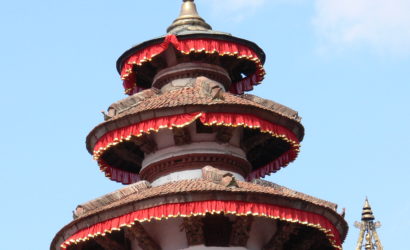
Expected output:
(192, 147)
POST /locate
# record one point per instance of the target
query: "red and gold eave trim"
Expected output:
(200, 208)
(186, 46)
(114, 137)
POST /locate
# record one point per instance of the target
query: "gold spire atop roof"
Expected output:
(368, 237)
(188, 19)
(367, 213)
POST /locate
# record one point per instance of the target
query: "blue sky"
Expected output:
(343, 64)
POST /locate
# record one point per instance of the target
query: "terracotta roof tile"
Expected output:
(196, 98)
(193, 95)
(201, 185)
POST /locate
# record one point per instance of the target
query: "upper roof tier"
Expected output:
(190, 38)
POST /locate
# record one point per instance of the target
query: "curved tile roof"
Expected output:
(198, 97)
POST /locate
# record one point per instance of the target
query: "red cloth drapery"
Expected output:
(118, 175)
(217, 119)
(187, 46)
(238, 208)
(115, 136)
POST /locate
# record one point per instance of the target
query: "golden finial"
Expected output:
(367, 213)
(368, 232)
(188, 19)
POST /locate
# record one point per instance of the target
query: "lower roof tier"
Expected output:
(217, 199)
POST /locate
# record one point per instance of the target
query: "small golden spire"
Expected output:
(368, 237)
(188, 19)
(367, 213)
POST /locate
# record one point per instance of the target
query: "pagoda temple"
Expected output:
(368, 237)
(191, 148)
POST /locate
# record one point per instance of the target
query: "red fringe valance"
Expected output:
(217, 119)
(193, 45)
(118, 175)
(200, 208)
(122, 134)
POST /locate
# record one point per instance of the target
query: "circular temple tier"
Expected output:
(194, 116)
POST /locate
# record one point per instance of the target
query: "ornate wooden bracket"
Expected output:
(143, 238)
(224, 134)
(181, 136)
(308, 240)
(108, 243)
(193, 229)
(240, 231)
(145, 143)
(248, 143)
(281, 236)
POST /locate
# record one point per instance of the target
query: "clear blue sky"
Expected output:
(343, 64)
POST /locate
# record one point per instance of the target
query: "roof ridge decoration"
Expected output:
(188, 19)
(218, 176)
